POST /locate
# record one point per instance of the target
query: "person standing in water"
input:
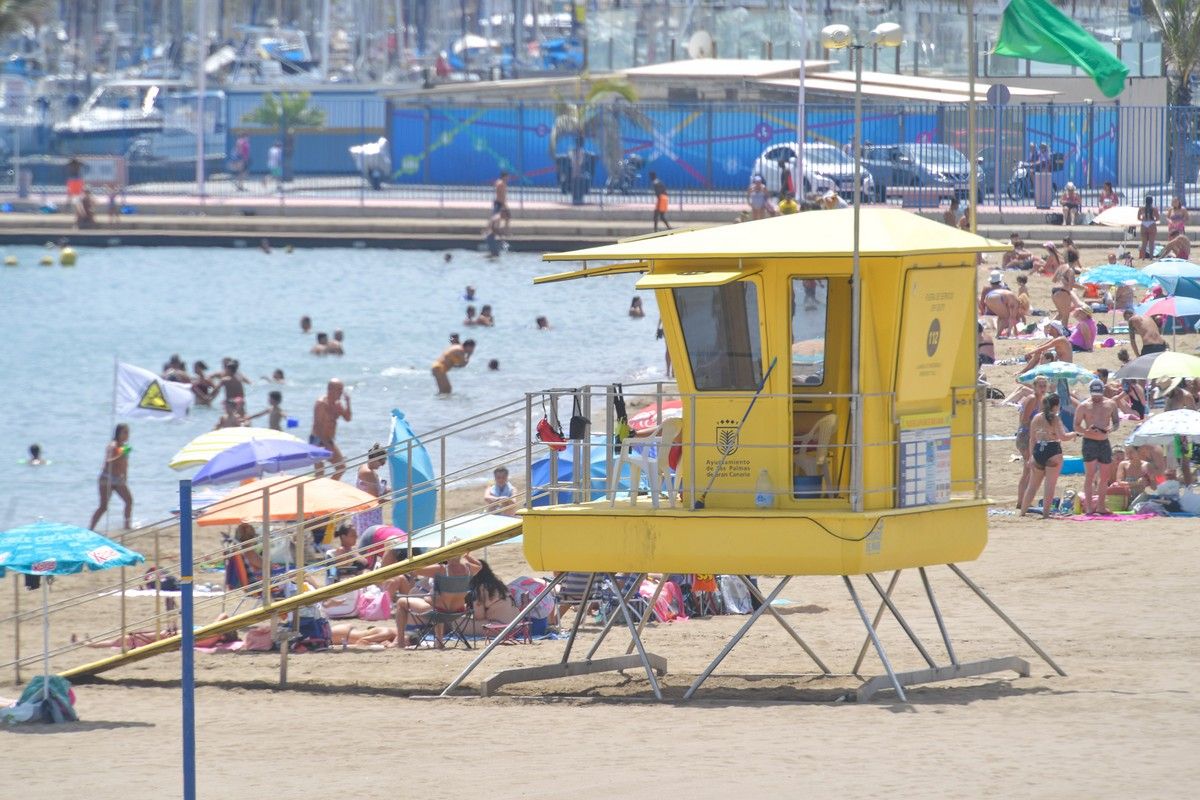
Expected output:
(500, 200)
(113, 475)
(456, 355)
(661, 201)
(326, 412)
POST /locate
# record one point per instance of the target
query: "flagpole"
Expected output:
(972, 133)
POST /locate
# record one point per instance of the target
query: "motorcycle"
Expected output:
(627, 175)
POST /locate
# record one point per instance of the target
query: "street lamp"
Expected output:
(838, 37)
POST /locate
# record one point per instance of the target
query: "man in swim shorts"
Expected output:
(1147, 328)
(326, 412)
(456, 355)
(1095, 420)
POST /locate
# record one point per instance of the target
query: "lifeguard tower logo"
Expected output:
(727, 436)
(933, 337)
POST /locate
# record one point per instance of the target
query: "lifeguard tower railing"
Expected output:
(651, 403)
(137, 608)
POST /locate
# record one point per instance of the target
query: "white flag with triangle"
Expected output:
(141, 394)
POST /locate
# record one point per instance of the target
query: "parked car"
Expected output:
(825, 168)
(938, 165)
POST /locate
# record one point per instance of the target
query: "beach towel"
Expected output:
(1108, 517)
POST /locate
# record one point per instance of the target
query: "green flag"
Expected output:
(1036, 30)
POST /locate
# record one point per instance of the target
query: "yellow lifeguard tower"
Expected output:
(825, 422)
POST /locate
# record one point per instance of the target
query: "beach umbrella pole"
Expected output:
(17, 628)
(188, 646)
(45, 638)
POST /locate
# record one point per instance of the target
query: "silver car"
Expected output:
(825, 168)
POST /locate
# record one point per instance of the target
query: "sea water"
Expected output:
(63, 328)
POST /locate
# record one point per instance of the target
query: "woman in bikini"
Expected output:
(1050, 264)
(113, 475)
(1029, 407)
(1148, 227)
(1061, 293)
(1178, 244)
(492, 603)
(419, 607)
(1046, 435)
(1108, 198)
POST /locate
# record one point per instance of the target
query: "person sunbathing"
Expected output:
(135, 639)
(1178, 246)
(1059, 348)
(347, 635)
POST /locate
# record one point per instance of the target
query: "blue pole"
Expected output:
(187, 682)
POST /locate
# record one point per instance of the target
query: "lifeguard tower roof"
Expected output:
(884, 232)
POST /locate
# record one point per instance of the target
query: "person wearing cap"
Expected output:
(1071, 202)
(1177, 396)
(1095, 421)
(757, 197)
(1083, 337)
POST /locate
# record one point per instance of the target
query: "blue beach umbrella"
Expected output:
(257, 457)
(1115, 274)
(52, 548)
(1058, 371)
(1170, 272)
(539, 473)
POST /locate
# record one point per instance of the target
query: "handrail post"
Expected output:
(612, 482)
(266, 554)
(584, 464)
(409, 506)
(442, 488)
(158, 585)
(528, 451)
(692, 437)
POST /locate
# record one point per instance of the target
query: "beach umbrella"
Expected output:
(1118, 217)
(539, 473)
(1058, 371)
(257, 457)
(647, 418)
(1170, 307)
(1153, 366)
(198, 451)
(1163, 428)
(52, 548)
(322, 496)
(1114, 274)
(1176, 276)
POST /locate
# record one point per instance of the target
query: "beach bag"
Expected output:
(315, 633)
(258, 638)
(577, 429)
(344, 606)
(1054, 218)
(547, 433)
(524, 589)
(373, 604)
(735, 595)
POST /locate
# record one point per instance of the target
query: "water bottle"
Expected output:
(764, 492)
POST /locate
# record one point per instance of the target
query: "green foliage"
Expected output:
(1178, 22)
(598, 117)
(16, 14)
(285, 111)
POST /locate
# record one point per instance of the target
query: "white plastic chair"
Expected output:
(812, 449)
(635, 451)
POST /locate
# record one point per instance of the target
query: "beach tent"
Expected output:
(424, 500)
(540, 474)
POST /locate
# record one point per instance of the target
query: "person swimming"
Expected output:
(35, 456)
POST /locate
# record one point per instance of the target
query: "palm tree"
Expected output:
(598, 116)
(285, 112)
(16, 14)
(1178, 22)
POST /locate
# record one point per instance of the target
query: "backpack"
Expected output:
(524, 589)
(373, 604)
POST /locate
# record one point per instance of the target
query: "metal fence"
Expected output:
(705, 153)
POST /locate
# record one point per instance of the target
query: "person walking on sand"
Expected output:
(326, 412)
(241, 162)
(500, 200)
(113, 475)
(1095, 420)
(456, 355)
(661, 201)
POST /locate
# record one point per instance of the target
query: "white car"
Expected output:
(825, 168)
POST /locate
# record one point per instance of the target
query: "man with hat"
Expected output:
(998, 300)
(1095, 420)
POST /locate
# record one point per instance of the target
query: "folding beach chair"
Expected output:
(444, 625)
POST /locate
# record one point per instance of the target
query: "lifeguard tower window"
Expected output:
(721, 334)
(809, 319)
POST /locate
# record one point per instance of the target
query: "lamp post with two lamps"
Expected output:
(838, 37)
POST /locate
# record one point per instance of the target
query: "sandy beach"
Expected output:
(1110, 601)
